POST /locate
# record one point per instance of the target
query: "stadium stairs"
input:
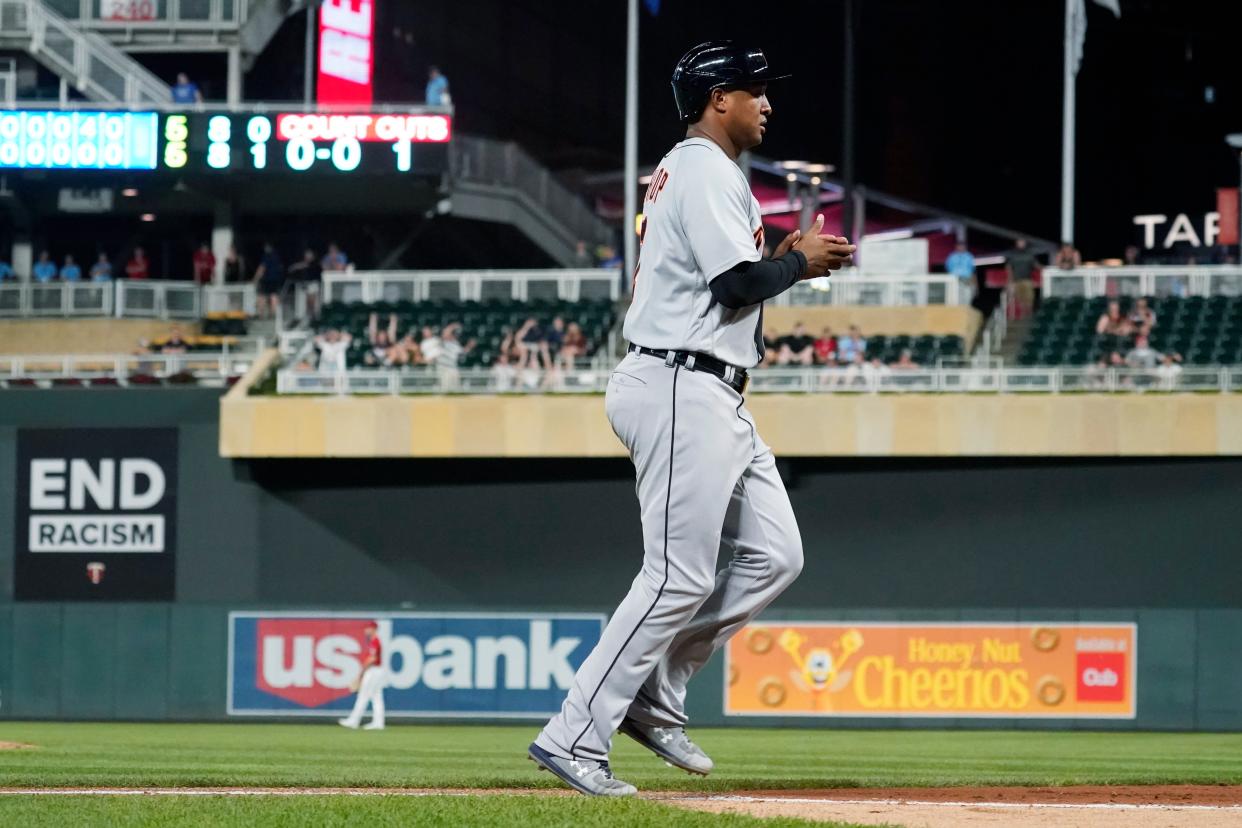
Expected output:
(83, 59)
(1016, 333)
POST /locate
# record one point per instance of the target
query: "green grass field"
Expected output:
(408, 756)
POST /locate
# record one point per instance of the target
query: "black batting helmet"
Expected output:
(712, 65)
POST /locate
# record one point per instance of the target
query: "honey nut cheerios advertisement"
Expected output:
(959, 670)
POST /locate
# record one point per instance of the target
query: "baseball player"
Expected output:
(370, 684)
(706, 479)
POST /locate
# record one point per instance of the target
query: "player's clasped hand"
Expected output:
(823, 252)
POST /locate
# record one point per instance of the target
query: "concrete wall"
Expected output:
(1152, 540)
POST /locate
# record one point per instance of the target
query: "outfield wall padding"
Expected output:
(1152, 540)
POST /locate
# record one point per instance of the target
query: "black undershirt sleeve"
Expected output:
(749, 283)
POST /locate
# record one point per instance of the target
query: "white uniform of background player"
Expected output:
(370, 685)
(707, 481)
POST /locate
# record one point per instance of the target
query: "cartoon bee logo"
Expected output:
(821, 670)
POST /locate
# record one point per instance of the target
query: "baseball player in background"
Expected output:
(706, 479)
(369, 685)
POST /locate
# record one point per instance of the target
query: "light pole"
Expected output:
(1235, 140)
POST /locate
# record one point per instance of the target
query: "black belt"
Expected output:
(732, 376)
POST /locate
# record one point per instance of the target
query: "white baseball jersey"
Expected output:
(700, 219)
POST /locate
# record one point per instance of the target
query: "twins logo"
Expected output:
(492, 665)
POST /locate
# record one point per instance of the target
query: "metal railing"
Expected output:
(153, 299)
(157, 14)
(167, 105)
(505, 164)
(1144, 280)
(97, 68)
(8, 82)
(853, 379)
(857, 287)
(204, 366)
(470, 285)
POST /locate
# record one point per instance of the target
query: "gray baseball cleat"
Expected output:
(671, 744)
(583, 775)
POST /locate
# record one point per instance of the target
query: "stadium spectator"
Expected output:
(451, 351)
(270, 277)
(383, 341)
(608, 256)
(826, 348)
(573, 346)
(503, 373)
(308, 272)
(553, 338)
(138, 267)
(1131, 255)
(1067, 257)
(69, 271)
(6, 271)
(101, 270)
(429, 345)
(905, 362)
(234, 267)
(961, 263)
(1112, 322)
(1169, 371)
(44, 269)
(582, 257)
(530, 344)
(1097, 374)
(406, 352)
(1142, 355)
(1020, 272)
(333, 346)
(175, 343)
(850, 346)
(797, 347)
(862, 371)
(185, 90)
(437, 88)
(204, 263)
(1142, 318)
(334, 260)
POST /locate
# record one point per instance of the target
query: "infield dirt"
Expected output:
(1166, 806)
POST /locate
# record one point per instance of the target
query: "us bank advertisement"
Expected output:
(493, 665)
(952, 670)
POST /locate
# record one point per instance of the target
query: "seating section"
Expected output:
(924, 349)
(1203, 330)
(485, 322)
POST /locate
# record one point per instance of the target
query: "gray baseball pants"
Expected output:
(706, 482)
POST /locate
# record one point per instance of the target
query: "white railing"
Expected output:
(99, 69)
(159, 14)
(167, 105)
(466, 285)
(227, 298)
(149, 299)
(864, 379)
(1144, 280)
(855, 287)
(203, 365)
(56, 299)
(158, 299)
(8, 82)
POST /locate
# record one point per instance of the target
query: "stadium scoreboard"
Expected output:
(259, 143)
